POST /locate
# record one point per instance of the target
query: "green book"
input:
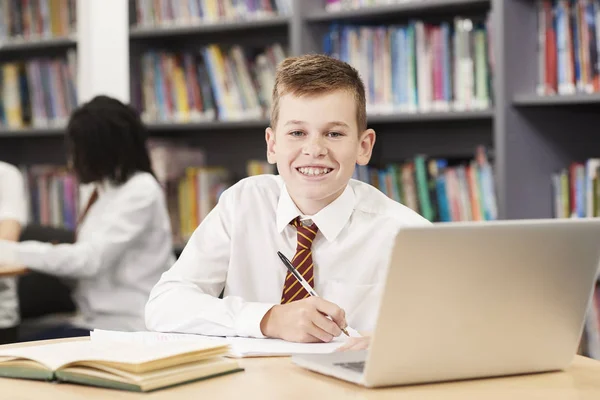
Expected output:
(139, 367)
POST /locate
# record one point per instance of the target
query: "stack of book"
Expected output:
(53, 194)
(180, 12)
(40, 92)
(568, 47)
(440, 189)
(212, 84)
(30, 20)
(419, 66)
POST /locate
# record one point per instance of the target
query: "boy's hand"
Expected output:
(304, 321)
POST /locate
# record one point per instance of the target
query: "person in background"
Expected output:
(123, 240)
(13, 216)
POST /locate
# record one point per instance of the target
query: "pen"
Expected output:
(301, 280)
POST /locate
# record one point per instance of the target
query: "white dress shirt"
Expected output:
(13, 206)
(235, 249)
(123, 246)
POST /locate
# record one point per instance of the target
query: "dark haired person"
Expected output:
(124, 240)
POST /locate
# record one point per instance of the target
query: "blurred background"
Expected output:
(484, 109)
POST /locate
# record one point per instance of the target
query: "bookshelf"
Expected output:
(531, 136)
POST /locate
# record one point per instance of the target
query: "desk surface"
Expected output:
(278, 378)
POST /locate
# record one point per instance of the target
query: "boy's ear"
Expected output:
(270, 139)
(366, 143)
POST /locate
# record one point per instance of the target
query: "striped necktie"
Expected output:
(302, 261)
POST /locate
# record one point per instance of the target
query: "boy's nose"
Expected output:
(315, 148)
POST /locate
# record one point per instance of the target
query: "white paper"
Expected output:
(239, 346)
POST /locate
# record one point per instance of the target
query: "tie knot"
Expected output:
(306, 234)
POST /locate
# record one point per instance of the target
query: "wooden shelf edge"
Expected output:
(530, 100)
(400, 8)
(30, 132)
(38, 44)
(137, 32)
(372, 119)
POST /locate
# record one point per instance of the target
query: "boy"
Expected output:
(13, 216)
(338, 232)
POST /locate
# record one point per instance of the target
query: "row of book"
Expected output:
(576, 190)
(214, 83)
(418, 66)
(39, 92)
(440, 189)
(53, 195)
(343, 5)
(189, 12)
(27, 20)
(568, 47)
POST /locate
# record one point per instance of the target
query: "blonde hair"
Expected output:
(315, 74)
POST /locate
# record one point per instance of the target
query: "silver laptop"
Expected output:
(475, 300)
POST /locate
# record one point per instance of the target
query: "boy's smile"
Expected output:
(316, 145)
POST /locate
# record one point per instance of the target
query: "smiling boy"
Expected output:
(337, 231)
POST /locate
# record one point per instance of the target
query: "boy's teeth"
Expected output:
(314, 171)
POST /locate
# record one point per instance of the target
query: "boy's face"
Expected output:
(316, 145)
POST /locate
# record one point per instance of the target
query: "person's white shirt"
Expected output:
(235, 250)
(13, 206)
(123, 246)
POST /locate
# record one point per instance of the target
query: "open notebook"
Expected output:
(238, 346)
(135, 366)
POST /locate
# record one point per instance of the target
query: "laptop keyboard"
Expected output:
(358, 366)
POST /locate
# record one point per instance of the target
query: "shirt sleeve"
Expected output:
(85, 258)
(13, 202)
(186, 297)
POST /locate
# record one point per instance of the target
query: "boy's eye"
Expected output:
(335, 134)
(296, 133)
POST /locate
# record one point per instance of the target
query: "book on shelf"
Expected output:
(151, 13)
(440, 189)
(568, 47)
(419, 66)
(53, 195)
(210, 84)
(39, 92)
(576, 191)
(33, 20)
(135, 366)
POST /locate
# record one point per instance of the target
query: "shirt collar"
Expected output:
(330, 220)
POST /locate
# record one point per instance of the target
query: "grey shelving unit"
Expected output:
(534, 136)
(531, 136)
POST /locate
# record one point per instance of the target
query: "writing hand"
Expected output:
(304, 321)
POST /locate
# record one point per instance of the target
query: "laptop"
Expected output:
(476, 300)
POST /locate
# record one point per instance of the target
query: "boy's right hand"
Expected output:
(304, 321)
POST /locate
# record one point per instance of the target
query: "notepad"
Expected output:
(135, 366)
(239, 347)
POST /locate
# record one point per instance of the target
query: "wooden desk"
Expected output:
(278, 378)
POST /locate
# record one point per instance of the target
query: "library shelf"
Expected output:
(408, 8)
(36, 44)
(141, 32)
(534, 100)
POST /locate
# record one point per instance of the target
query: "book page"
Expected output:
(53, 356)
(239, 346)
